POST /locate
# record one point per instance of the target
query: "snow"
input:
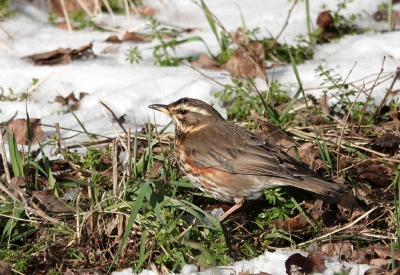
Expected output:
(270, 262)
(128, 89)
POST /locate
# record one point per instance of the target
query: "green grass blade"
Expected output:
(131, 220)
(142, 255)
(210, 20)
(15, 156)
(296, 72)
(47, 169)
(289, 107)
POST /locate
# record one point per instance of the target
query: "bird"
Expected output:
(230, 163)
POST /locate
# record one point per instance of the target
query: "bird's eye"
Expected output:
(183, 112)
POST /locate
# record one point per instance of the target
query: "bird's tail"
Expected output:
(317, 185)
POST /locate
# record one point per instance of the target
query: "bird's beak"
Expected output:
(161, 108)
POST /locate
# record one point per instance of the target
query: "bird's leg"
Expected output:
(239, 202)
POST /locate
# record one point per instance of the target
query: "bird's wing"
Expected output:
(240, 151)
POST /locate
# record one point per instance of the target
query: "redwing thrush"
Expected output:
(230, 163)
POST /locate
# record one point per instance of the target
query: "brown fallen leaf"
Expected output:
(342, 249)
(113, 39)
(61, 56)
(245, 63)
(326, 23)
(146, 10)
(70, 100)
(385, 252)
(363, 255)
(314, 262)
(72, 6)
(19, 129)
(381, 263)
(387, 142)
(377, 271)
(205, 62)
(136, 37)
(377, 175)
(296, 223)
(50, 203)
(63, 25)
(111, 225)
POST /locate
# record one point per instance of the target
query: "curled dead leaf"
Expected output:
(136, 37)
(245, 63)
(61, 56)
(205, 62)
(314, 262)
(19, 128)
(50, 203)
(326, 23)
(113, 39)
(146, 10)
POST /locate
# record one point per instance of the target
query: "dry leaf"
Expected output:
(63, 25)
(244, 63)
(20, 130)
(292, 224)
(377, 271)
(61, 56)
(315, 262)
(146, 10)
(111, 225)
(136, 37)
(50, 203)
(381, 263)
(385, 252)
(72, 6)
(205, 62)
(326, 23)
(70, 100)
(113, 39)
(342, 249)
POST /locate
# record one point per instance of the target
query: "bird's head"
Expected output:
(189, 114)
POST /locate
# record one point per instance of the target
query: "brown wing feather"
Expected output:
(243, 154)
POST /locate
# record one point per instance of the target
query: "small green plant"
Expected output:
(5, 11)
(223, 39)
(134, 55)
(81, 20)
(165, 53)
(283, 205)
(52, 18)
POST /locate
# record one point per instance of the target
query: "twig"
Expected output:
(340, 229)
(40, 82)
(128, 17)
(369, 95)
(212, 79)
(284, 27)
(66, 16)
(6, 32)
(4, 157)
(109, 9)
(10, 48)
(133, 8)
(342, 132)
(112, 126)
(115, 117)
(169, 9)
(114, 158)
(388, 91)
(84, 7)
